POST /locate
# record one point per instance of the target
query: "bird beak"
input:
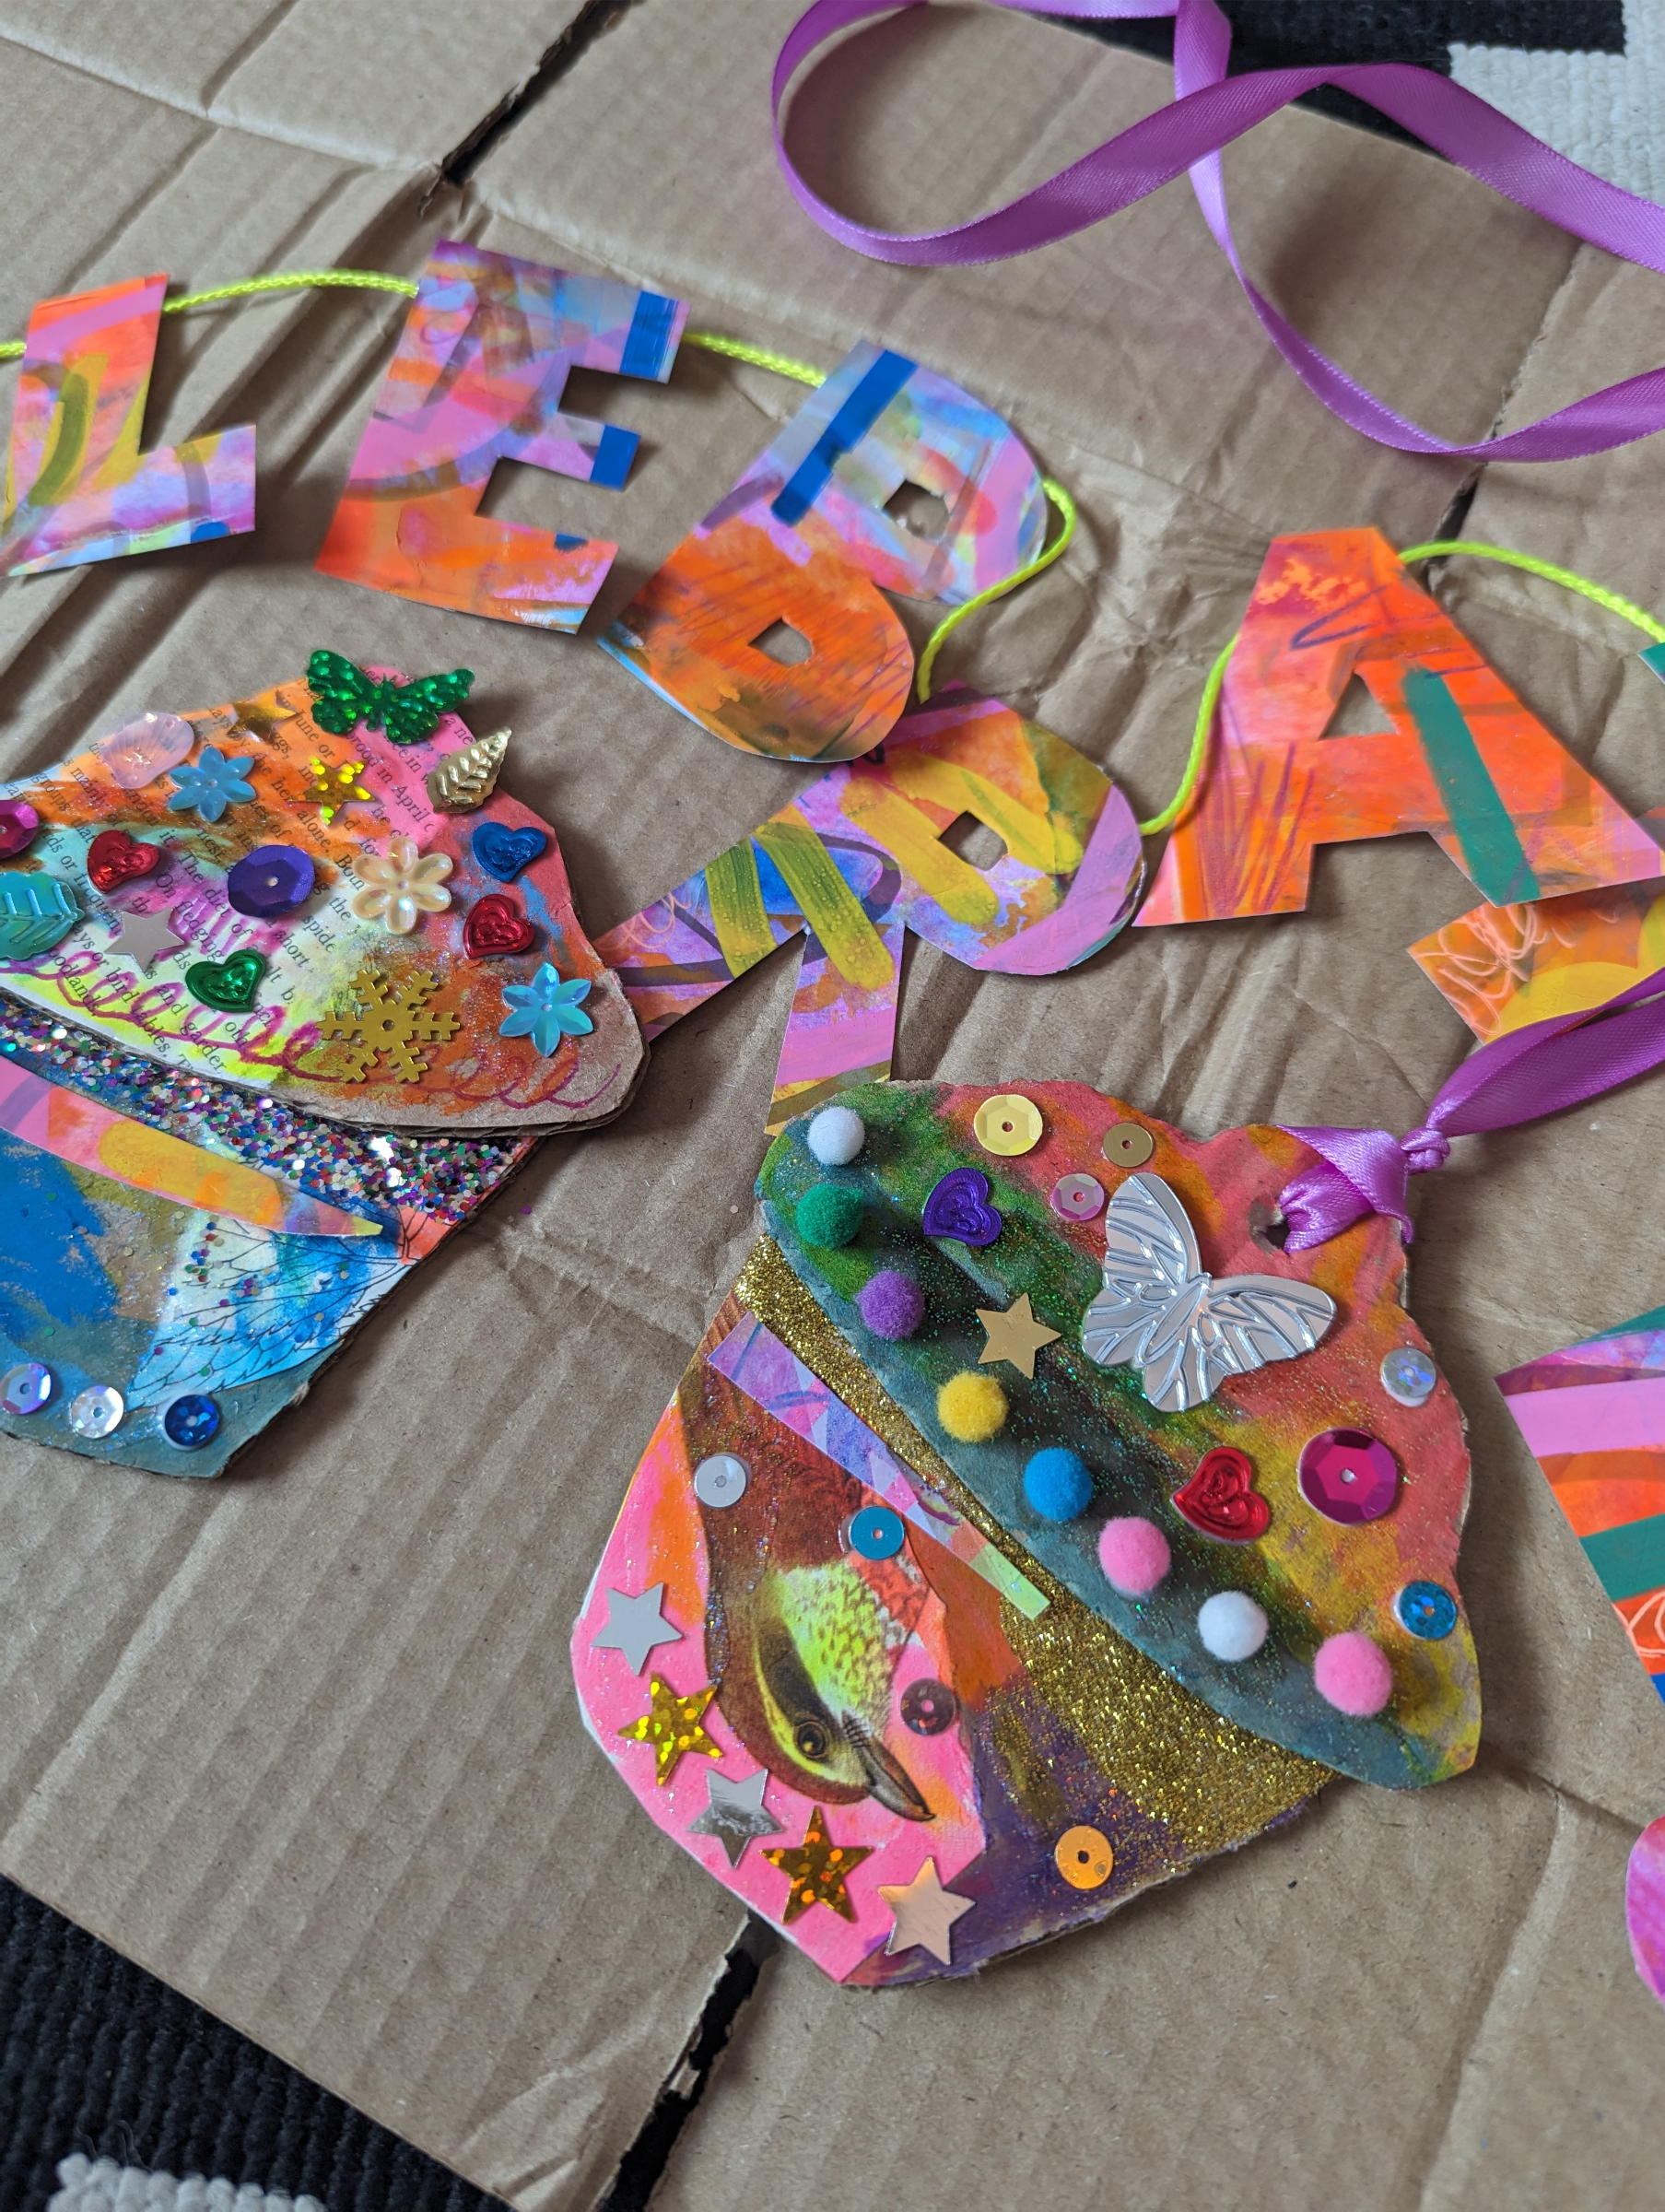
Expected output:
(887, 1779)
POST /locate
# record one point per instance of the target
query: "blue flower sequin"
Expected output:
(546, 1010)
(211, 784)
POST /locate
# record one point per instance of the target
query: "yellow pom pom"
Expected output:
(971, 1407)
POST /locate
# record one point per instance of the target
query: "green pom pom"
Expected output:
(828, 1215)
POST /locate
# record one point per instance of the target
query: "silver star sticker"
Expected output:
(735, 1813)
(147, 937)
(635, 1625)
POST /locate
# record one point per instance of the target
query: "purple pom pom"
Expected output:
(892, 1304)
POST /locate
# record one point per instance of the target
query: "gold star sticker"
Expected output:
(334, 788)
(818, 1869)
(1014, 1336)
(672, 1725)
(925, 1912)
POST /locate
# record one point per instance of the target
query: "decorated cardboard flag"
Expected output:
(1030, 1355)
(859, 858)
(1463, 761)
(270, 893)
(805, 540)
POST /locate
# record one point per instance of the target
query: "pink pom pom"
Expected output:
(1133, 1554)
(1352, 1674)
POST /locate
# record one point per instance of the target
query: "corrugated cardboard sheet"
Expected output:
(303, 1741)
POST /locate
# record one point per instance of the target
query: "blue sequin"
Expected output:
(191, 1421)
(1426, 1610)
(876, 1533)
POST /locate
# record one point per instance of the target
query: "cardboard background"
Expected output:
(303, 1742)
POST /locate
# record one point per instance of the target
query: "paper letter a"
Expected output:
(77, 488)
(1463, 761)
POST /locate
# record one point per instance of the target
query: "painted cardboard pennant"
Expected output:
(849, 1701)
(1593, 1417)
(244, 894)
(179, 1257)
(1463, 761)
(860, 857)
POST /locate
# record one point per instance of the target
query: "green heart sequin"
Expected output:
(227, 984)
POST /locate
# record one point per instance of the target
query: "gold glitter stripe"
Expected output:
(1213, 1783)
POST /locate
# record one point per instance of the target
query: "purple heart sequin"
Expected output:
(959, 1207)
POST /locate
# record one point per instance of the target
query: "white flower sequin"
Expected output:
(402, 888)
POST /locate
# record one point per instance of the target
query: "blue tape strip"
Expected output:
(612, 456)
(848, 427)
(649, 336)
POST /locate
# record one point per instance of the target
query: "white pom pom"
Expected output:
(1231, 1626)
(836, 1135)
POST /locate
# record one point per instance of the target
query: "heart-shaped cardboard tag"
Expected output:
(113, 858)
(495, 925)
(229, 985)
(1221, 1499)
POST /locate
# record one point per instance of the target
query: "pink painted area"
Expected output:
(658, 1538)
(1592, 1417)
(1644, 1906)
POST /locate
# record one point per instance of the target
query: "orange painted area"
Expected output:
(1598, 1490)
(434, 546)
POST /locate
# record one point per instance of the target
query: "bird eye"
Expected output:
(811, 1739)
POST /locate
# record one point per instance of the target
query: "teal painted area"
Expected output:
(1486, 833)
(1630, 1561)
(1653, 656)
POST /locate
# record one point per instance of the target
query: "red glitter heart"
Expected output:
(1221, 1499)
(495, 925)
(113, 858)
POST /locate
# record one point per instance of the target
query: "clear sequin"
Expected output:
(721, 1481)
(26, 1388)
(1409, 1376)
(97, 1410)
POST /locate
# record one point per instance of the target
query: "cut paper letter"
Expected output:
(1463, 761)
(477, 379)
(77, 488)
(1593, 1417)
(860, 856)
(1503, 966)
(802, 541)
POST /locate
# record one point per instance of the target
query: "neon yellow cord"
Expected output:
(1625, 608)
(292, 280)
(736, 349)
(1198, 757)
(1043, 559)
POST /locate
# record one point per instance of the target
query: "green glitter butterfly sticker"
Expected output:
(344, 696)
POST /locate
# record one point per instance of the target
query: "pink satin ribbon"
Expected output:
(1532, 1072)
(1210, 112)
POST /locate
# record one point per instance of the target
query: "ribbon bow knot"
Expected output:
(1533, 1071)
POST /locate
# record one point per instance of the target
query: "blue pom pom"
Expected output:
(1057, 1484)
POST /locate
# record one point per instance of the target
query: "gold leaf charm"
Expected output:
(467, 777)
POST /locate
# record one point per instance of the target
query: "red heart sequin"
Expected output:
(495, 925)
(113, 858)
(1221, 1499)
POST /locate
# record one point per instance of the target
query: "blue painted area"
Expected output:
(648, 342)
(202, 532)
(613, 458)
(50, 1268)
(848, 427)
(567, 541)
(1481, 824)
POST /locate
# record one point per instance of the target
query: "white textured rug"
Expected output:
(1606, 110)
(101, 2185)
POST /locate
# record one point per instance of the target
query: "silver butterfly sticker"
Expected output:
(1185, 1331)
